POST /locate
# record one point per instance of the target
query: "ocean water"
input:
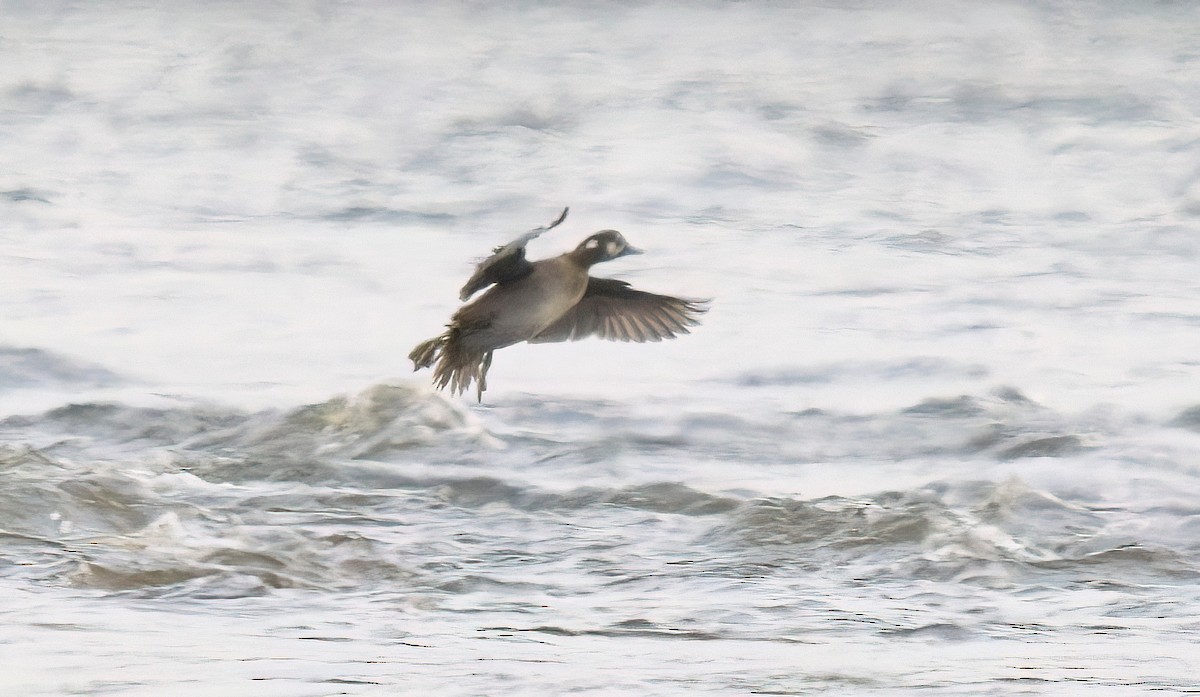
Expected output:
(939, 433)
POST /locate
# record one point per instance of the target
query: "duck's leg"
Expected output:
(481, 383)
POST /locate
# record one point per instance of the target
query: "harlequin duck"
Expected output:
(545, 301)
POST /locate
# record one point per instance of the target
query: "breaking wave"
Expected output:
(400, 486)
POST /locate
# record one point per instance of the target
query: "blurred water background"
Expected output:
(939, 434)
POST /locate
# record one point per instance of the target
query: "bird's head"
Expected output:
(605, 245)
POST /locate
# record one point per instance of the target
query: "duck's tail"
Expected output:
(457, 365)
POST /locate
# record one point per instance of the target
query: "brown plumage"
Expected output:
(545, 301)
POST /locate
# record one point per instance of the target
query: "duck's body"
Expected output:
(509, 313)
(543, 301)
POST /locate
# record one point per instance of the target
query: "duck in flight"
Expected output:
(545, 301)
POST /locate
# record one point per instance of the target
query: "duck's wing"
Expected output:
(507, 262)
(611, 310)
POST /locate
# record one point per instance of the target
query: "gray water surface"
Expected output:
(939, 433)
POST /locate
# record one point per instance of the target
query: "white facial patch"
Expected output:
(610, 248)
(592, 244)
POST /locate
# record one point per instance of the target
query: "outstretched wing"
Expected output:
(507, 263)
(611, 310)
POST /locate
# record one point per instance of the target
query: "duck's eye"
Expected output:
(592, 244)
